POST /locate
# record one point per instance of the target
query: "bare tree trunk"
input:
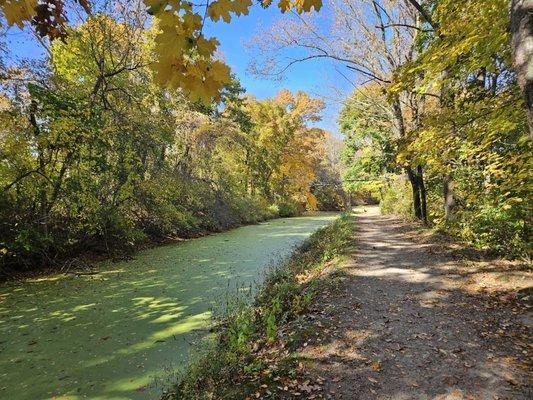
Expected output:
(522, 45)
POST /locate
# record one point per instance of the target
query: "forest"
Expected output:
(103, 149)
(97, 157)
(443, 107)
(438, 126)
(153, 154)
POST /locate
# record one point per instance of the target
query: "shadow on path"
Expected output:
(400, 325)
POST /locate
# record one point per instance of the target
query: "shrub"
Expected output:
(329, 198)
(397, 198)
(289, 209)
(494, 228)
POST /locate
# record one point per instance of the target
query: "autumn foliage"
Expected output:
(184, 57)
(97, 156)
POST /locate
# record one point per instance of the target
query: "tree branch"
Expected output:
(424, 14)
(405, 26)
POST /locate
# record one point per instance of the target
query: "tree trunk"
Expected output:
(423, 202)
(449, 199)
(417, 204)
(43, 195)
(416, 178)
(400, 126)
(522, 45)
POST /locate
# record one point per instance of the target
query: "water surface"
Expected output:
(122, 333)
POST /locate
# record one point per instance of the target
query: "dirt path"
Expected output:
(405, 324)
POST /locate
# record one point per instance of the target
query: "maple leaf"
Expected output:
(206, 47)
(210, 78)
(168, 42)
(168, 70)
(155, 6)
(168, 18)
(220, 72)
(220, 9)
(307, 5)
(192, 21)
(18, 11)
(180, 39)
(285, 5)
(241, 7)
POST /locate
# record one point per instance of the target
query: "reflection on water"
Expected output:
(119, 334)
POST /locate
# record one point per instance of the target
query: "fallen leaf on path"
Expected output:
(376, 366)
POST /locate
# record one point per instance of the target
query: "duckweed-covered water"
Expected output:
(121, 334)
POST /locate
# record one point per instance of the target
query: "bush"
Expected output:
(289, 209)
(165, 206)
(489, 221)
(397, 198)
(329, 198)
(494, 228)
(365, 192)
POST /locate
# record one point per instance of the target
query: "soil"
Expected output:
(415, 317)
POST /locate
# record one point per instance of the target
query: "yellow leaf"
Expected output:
(168, 19)
(241, 7)
(220, 72)
(170, 43)
(18, 11)
(192, 21)
(155, 6)
(285, 5)
(219, 9)
(206, 47)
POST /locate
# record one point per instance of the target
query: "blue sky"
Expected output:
(318, 78)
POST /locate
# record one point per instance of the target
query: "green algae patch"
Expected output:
(124, 333)
(251, 346)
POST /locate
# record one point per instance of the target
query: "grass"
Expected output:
(250, 340)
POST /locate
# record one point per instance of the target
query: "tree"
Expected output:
(184, 56)
(370, 143)
(472, 134)
(285, 152)
(96, 156)
(521, 25)
(327, 186)
(370, 38)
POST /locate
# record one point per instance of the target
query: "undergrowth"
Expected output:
(247, 336)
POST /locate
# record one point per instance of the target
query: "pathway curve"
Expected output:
(404, 327)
